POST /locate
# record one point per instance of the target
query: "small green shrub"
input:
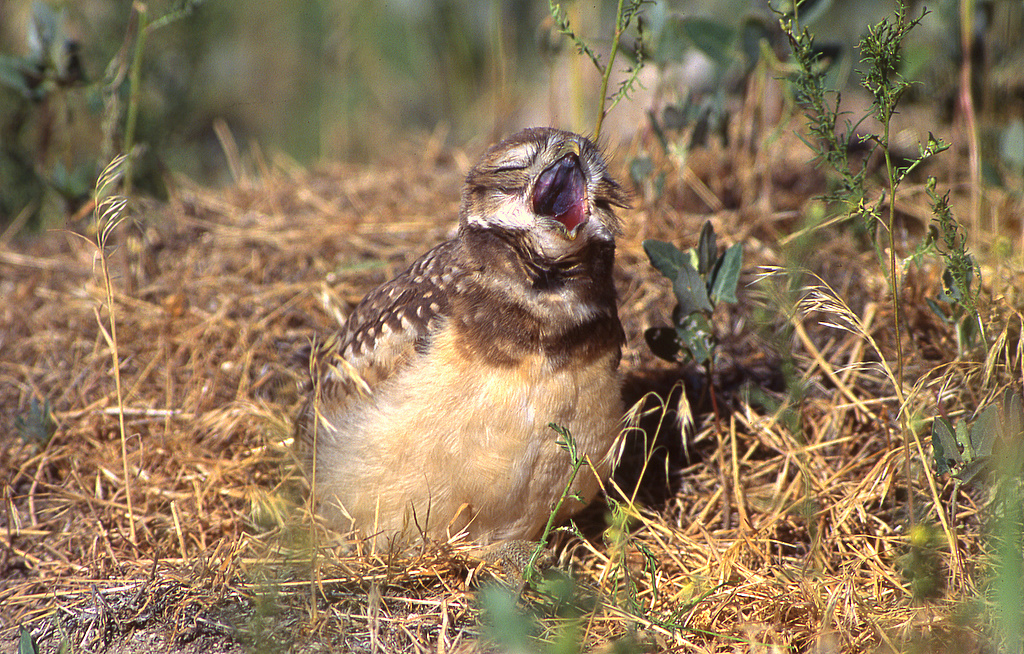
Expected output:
(701, 279)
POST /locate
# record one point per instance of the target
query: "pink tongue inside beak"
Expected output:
(561, 193)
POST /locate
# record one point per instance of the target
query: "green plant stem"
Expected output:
(577, 462)
(895, 285)
(134, 89)
(607, 73)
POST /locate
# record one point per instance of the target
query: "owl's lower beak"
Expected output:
(561, 193)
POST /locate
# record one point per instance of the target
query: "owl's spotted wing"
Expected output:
(397, 317)
(389, 327)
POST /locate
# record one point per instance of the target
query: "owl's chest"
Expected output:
(450, 402)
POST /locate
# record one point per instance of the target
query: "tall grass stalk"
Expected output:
(143, 26)
(966, 102)
(110, 209)
(881, 51)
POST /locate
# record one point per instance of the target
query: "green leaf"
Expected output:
(1013, 430)
(712, 38)
(952, 292)
(667, 258)
(963, 440)
(944, 447)
(74, 184)
(696, 336)
(504, 622)
(971, 470)
(752, 32)
(26, 643)
(659, 133)
(678, 116)
(690, 291)
(1013, 415)
(725, 277)
(672, 43)
(967, 330)
(937, 310)
(707, 248)
(45, 30)
(640, 170)
(37, 426)
(13, 75)
(983, 432)
(1011, 145)
(756, 396)
(663, 342)
(812, 11)
(564, 440)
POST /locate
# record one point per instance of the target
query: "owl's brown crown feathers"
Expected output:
(431, 407)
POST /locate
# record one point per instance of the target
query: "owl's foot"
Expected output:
(510, 559)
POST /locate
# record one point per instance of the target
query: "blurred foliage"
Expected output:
(345, 79)
(966, 450)
(307, 79)
(37, 426)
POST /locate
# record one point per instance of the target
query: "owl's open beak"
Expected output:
(561, 193)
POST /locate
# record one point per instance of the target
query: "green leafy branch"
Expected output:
(958, 288)
(565, 441)
(625, 13)
(831, 132)
(881, 52)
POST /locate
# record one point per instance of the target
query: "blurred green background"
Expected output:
(342, 79)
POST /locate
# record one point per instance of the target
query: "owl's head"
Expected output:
(546, 187)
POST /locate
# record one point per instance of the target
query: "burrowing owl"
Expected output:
(430, 411)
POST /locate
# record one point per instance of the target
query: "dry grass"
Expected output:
(780, 524)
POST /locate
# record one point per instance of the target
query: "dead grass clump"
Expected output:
(780, 523)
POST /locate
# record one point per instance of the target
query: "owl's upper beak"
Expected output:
(561, 193)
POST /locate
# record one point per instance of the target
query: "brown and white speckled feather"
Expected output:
(386, 329)
(431, 407)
